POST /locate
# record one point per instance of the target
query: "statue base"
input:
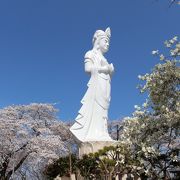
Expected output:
(93, 146)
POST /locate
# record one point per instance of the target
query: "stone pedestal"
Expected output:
(94, 146)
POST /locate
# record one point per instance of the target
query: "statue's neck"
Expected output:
(98, 51)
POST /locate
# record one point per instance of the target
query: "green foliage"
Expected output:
(88, 166)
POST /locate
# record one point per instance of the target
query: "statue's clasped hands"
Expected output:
(107, 69)
(111, 68)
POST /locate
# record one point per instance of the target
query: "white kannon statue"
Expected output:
(91, 122)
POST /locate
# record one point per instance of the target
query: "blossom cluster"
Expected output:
(152, 131)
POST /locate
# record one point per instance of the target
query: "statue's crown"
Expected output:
(102, 34)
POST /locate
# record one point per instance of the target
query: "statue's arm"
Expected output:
(89, 67)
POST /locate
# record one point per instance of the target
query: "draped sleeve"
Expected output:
(88, 57)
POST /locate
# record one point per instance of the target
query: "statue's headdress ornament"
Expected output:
(102, 34)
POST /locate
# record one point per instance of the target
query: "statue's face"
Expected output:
(104, 45)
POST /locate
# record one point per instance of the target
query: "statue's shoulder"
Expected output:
(89, 54)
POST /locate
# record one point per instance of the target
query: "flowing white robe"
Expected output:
(91, 122)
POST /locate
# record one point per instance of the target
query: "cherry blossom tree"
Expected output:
(31, 136)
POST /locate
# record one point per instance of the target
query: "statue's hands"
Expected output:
(104, 69)
(111, 68)
(108, 69)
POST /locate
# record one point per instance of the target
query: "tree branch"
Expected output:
(18, 165)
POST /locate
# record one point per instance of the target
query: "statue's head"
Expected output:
(101, 40)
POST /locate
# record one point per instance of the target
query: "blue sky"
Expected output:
(43, 42)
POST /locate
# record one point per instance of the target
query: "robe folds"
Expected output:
(91, 122)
